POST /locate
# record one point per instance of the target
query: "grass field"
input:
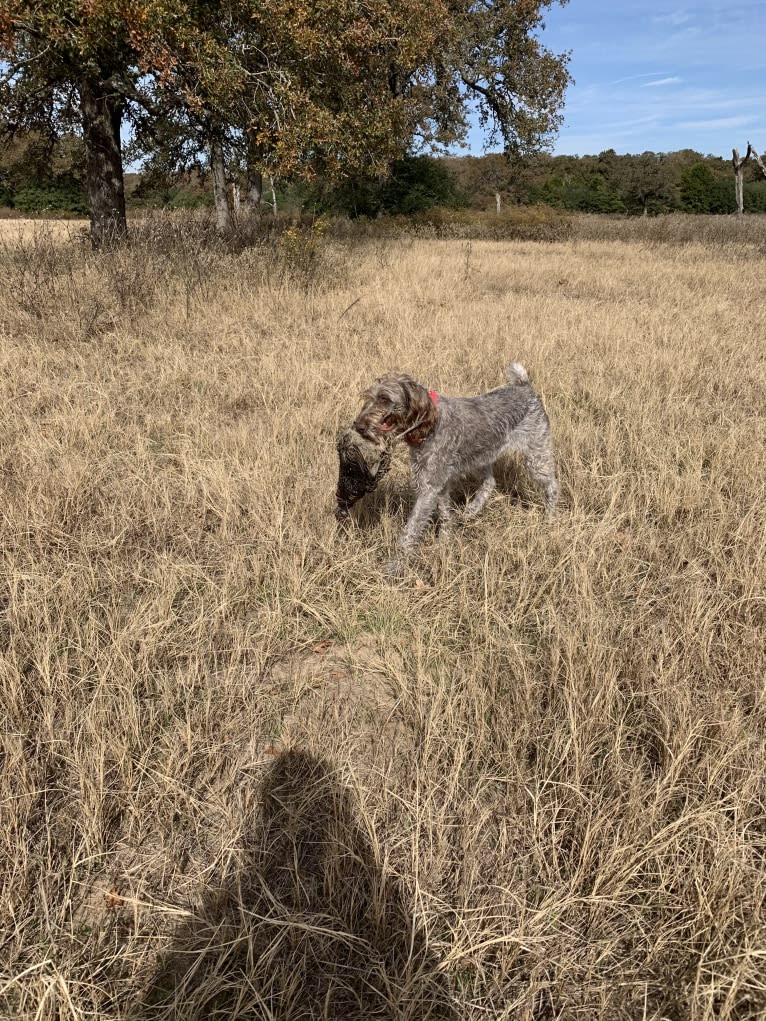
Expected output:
(242, 776)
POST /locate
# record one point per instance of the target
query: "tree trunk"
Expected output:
(498, 202)
(101, 112)
(218, 174)
(235, 198)
(739, 177)
(254, 190)
(739, 189)
(254, 180)
(273, 195)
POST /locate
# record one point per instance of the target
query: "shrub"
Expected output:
(534, 223)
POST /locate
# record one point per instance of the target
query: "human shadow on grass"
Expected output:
(311, 928)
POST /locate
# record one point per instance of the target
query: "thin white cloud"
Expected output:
(675, 18)
(635, 77)
(718, 122)
(661, 81)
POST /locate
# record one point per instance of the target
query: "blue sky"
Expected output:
(661, 76)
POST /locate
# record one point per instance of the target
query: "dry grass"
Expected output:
(243, 777)
(13, 228)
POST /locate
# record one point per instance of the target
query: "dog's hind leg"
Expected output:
(542, 470)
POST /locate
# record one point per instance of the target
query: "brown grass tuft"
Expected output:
(243, 777)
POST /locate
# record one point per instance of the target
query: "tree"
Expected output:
(39, 175)
(64, 66)
(301, 82)
(493, 59)
(309, 86)
(645, 182)
(341, 84)
(343, 87)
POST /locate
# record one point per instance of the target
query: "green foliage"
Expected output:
(43, 174)
(6, 191)
(580, 193)
(159, 188)
(418, 183)
(646, 183)
(537, 223)
(703, 191)
(56, 197)
(414, 184)
(755, 196)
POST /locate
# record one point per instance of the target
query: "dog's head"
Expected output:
(396, 407)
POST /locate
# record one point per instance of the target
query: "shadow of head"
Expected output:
(391, 498)
(312, 927)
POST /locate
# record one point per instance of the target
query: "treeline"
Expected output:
(646, 183)
(35, 178)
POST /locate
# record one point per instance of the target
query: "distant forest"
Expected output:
(39, 177)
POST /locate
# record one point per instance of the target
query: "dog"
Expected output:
(452, 439)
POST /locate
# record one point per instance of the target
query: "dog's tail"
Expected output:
(517, 374)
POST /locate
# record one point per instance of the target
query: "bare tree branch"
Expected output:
(19, 65)
(757, 158)
(128, 90)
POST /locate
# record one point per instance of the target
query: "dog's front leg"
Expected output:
(482, 494)
(412, 533)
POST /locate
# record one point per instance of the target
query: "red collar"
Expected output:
(434, 395)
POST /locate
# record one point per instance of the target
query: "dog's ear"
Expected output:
(420, 409)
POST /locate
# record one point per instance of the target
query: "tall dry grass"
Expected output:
(242, 776)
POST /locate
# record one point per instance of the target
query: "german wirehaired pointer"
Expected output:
(452, 439)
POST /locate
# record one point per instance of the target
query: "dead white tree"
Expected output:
(738, 162)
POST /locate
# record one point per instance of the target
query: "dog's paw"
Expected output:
(395, 568)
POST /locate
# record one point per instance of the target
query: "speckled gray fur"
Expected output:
(459, 438)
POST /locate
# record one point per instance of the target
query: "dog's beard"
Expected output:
(379, 430)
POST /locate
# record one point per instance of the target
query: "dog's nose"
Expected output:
(358, 425)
